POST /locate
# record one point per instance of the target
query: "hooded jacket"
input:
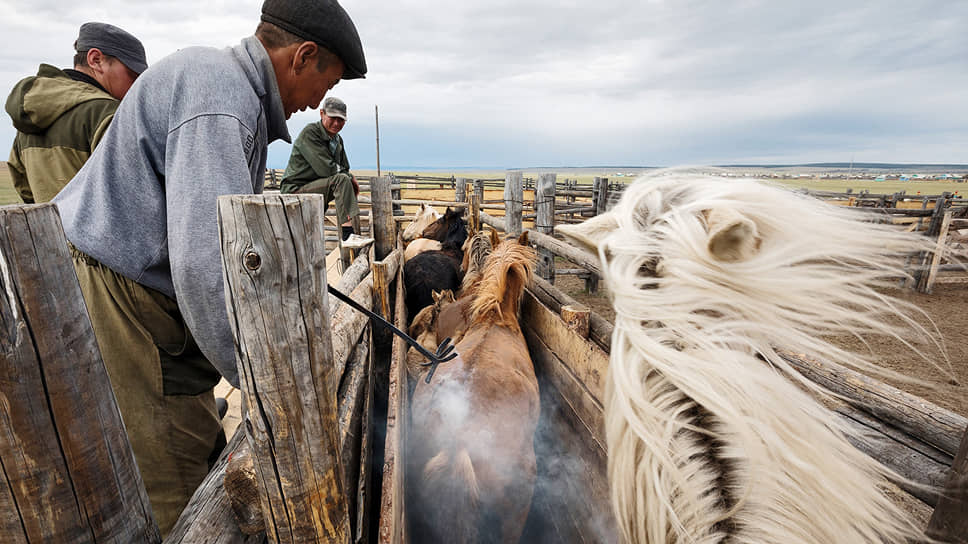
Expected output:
(59, 121)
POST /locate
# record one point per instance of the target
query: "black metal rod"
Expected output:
(445, 351)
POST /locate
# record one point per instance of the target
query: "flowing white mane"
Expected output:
(709, 437)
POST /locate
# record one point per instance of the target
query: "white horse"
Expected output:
(710, 435)
(424, 217)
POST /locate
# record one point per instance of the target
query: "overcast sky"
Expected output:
(502, 83)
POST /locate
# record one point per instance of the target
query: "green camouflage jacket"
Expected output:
(59, 121)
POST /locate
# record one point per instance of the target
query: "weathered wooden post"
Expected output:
(381, 217)
(602, 204)
(513, 202)
(474, 218)
(934, 230)
(595, 184)
(396, 194)
(68, 472)
(479, 189)
(460, 193)
(949, 522)
(544, 203)
(277, 303)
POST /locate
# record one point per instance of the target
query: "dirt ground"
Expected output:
(947, 386)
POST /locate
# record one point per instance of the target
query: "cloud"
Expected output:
(514, 83)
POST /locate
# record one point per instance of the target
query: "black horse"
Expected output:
(436, 270)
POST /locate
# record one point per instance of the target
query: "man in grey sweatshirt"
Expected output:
(141, 215)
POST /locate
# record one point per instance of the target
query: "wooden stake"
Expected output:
(274, 266)
(545, 222)
(68, 472)
(513, 203)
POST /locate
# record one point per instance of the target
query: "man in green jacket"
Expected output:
(318, 164)
(61, 115)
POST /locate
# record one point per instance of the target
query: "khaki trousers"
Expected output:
(337, 189)
(163, 384)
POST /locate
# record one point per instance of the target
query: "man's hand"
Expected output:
(356, 186)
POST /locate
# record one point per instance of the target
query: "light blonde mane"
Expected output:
(424, 217)
(507, 271)
(706, 441)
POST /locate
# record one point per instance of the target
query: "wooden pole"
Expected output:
(602, 197)
(68, 472)
(544, 199)
(949, 522)
(381, 217)
(479, 189)
(208, 517)
(277, 303)
(376, 113)
(927, 283)
(474, 220)
(513, 202)
(460, 191)
(595, 184)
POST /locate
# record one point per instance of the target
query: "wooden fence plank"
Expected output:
(68, 472)
(274, 265)
(392, 510)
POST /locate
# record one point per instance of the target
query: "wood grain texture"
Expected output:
(513, 202)
(68, 472)
(949, 522)
(382, 226)
(923, 420)
(392, 512)
(544, 203)
(208, 518)
(274, 265)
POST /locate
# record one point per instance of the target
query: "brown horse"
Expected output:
(471, 461)
(453, 319)
(423, 329)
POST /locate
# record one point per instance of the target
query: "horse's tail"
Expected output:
(454, 510)
(506, 273)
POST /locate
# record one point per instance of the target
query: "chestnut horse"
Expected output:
(471, 463)
(424, 217)
(452, 319)
(711, 434)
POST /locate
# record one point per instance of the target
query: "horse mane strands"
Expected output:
(707, 443)
(507, 271)
(477, 248)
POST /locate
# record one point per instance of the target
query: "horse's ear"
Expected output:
(590, 233)
(437, 296)
(423, 207)
(495, 238)
(523, 239)
(733, 237)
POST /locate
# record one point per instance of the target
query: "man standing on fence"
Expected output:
(61, 115)
(318, 164)
(141, 215)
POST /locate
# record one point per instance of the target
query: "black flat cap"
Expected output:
(324, 22)
(113, 41)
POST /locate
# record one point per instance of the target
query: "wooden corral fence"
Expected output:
(320, 456)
